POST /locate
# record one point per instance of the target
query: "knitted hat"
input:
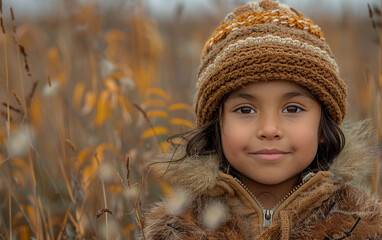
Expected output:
(267, 41)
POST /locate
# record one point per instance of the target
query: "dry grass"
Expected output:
(88, 99)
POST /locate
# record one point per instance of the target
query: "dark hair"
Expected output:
(206, 140)
(331, 142)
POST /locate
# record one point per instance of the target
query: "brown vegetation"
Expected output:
(89, 97)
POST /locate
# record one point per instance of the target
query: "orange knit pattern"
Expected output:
(282, 17)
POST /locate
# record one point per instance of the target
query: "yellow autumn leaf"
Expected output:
(24, 232)
(164, 146)
(154, 103)
(36, 113)
(124, 102)
(78, 92)
(101, 148)
(115, 189)
(79, 214)
(61, 78)
(158, 92)
(103, 108)
(157, 113)
(82, 156)
(3, 135)
(54, 59)
(112, 85)
(128, 229)
(179, 106)
(179, 121)
(154, 131)
(20, 163)
(116, 75)
(89, 174)
(167, 190)
(177, 140)
(90, 102)
(30, 211)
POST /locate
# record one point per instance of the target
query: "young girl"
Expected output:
(268, 159)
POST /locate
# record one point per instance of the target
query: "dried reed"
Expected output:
(108, 102)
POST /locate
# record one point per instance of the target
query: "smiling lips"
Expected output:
(269, 154)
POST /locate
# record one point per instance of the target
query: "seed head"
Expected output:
(178, 202)
(131, 193)
(50, 90)
(127, 83)
(214, 215)
(107, 68)
(106, 172)
(19, 142)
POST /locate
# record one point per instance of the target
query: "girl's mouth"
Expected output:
(269, 154)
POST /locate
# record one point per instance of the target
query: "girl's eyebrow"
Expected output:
(242, 95)
(287, 95)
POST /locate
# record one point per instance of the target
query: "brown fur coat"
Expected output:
(213, 205)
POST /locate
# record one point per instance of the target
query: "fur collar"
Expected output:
(358, 158)
(353, 165)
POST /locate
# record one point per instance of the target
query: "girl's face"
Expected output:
(269, 131)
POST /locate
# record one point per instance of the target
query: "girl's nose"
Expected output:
(269, 127)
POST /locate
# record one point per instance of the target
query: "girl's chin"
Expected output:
(272, 181)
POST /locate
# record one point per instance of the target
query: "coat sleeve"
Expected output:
(363, 210)
(349, 213)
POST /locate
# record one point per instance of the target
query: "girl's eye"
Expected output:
(292, 109)
(245, 110)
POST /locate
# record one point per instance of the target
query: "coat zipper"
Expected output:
(268, 213)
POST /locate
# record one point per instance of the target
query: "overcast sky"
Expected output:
(302, 5)
(166, 7)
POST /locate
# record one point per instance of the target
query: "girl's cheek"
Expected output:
(308, 137)
(235, 130)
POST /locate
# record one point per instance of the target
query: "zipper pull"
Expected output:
(268, 215)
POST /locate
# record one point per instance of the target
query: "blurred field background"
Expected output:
(89, 94)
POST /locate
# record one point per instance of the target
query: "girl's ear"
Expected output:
(322, 140)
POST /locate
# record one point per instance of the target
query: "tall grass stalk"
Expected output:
(379, 105)
(63, 172)
(105, 203)
(10, 200)
(376, 180)
(104, 198)
(8, 121)
(9, 124)
(18, 53)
